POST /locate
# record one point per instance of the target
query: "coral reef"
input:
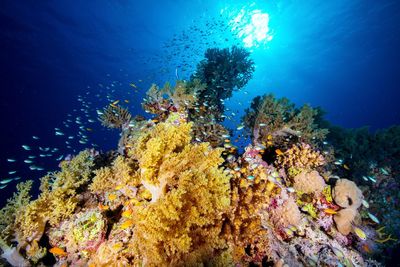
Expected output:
(178, 192)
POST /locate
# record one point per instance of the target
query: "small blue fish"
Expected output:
(384, 171)
(35, 137)
(26, 147)
(6, 181)
(11, 160)
(12, 172)
(28, 161)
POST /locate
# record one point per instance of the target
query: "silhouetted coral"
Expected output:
(223, 71)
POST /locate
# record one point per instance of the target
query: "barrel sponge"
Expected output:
(309, 182)
(343, 220)
(346, 194)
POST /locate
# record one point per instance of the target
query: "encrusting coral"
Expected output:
(309, 182)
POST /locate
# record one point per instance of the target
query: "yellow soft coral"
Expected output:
(189, 194)
(121, 173)
(57, 201)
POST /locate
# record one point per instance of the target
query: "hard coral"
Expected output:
(300, 158)
(309, 182)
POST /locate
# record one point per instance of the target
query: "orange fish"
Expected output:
(56, 251)
(330, 211)
(279, 152)
(366, 248)
(126, 224)
(102, 207)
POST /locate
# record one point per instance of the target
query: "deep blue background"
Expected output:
(341, 55)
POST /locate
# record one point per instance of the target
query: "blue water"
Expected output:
(340, 55)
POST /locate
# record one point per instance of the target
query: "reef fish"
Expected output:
(26, 147)
(373, 218)
(58, 251)
(6, 181)
(360, 233)
(330, 211)
(126, 224)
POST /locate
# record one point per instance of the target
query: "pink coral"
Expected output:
(286, 212)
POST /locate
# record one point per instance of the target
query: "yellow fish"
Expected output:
(133, 85)
(126, 101)
(269, 137)
(126, 224)
(330, 211)
(89, 129)
(279, 152)
(115, 102)
(112, 197)
(127, 213)
(346, 167)
(56, 251)
(360, 233)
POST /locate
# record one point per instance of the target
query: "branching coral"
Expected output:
(278, 118)
(115, 116)
(223, 71)
(299, 158)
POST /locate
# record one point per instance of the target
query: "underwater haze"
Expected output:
(294, 105)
